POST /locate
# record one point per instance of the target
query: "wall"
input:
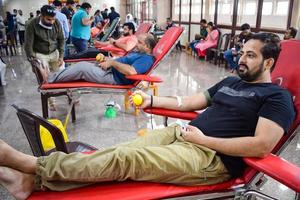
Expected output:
(33, 5)
(163, 11)
(296, 14)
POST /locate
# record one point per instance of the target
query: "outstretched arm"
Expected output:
(184, 103)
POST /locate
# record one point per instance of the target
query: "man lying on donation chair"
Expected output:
(110, 71)
(245, 117)
(125, 43)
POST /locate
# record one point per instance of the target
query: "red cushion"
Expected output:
(82, 84)
(143, 28)
(131, 191)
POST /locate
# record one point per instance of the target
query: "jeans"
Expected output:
(80, 44)
(193, 44)
(229, 57)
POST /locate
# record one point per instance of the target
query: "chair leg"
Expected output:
(44, 99)
(126, 101)
(73, 111)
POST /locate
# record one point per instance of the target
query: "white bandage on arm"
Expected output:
(179, 101)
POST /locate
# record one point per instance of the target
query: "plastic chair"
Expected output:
(31, 125)
(286, 74)
(161, 50)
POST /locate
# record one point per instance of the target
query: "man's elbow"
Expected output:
(263, 149)
(132, 72)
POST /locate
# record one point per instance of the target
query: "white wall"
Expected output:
(28, 6)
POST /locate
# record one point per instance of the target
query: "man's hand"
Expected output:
(146, 99)
(60, 62)
(193, 134)
(106, 64)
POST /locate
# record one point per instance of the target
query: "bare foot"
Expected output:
(18, 184)
(12, 158)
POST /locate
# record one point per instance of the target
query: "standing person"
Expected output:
(98, 17)
(21, 26)
(104, 13)
(31, 16)
(238, 41)
(2, 71)
(81, 27)
(15, 13)
(68, 10)
(10, 28)
(63, 21)
(113, 14)
(44, 39)
(37, 13)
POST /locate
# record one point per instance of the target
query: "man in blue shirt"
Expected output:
(61, 18)
(81, 27)
(111, 71)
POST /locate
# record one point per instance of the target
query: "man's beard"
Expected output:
(126, 34)
(247, 76)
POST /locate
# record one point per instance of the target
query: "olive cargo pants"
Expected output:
(160, 156)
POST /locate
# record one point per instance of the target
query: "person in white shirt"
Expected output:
(21, 26)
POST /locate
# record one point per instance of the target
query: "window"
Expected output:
(225, 9)
(196, 10)
(275, 14)
(282, 8)
(175, 10)
(247, 12)
(267, 8)
(185, 10)
(209, 10)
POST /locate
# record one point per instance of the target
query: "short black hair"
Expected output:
(112, 8)
(271, 48)
(57, 3)
(293, 32)
(203, 21)
(70, 2)
(85, 5)
(245, 26)
(47, 10)
(130, 26)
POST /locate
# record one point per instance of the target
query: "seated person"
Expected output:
(127, 43)
(111, 71)
(170, 23)
(202, 35)
(290, 33)
(98, 30)
(238, 41)
(210, 41)
(240, 121)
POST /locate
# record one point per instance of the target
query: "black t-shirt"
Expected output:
(235, 108)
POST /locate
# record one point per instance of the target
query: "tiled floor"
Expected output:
(182, 75)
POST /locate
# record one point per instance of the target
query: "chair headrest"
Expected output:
(166, 42)
(287, 72)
